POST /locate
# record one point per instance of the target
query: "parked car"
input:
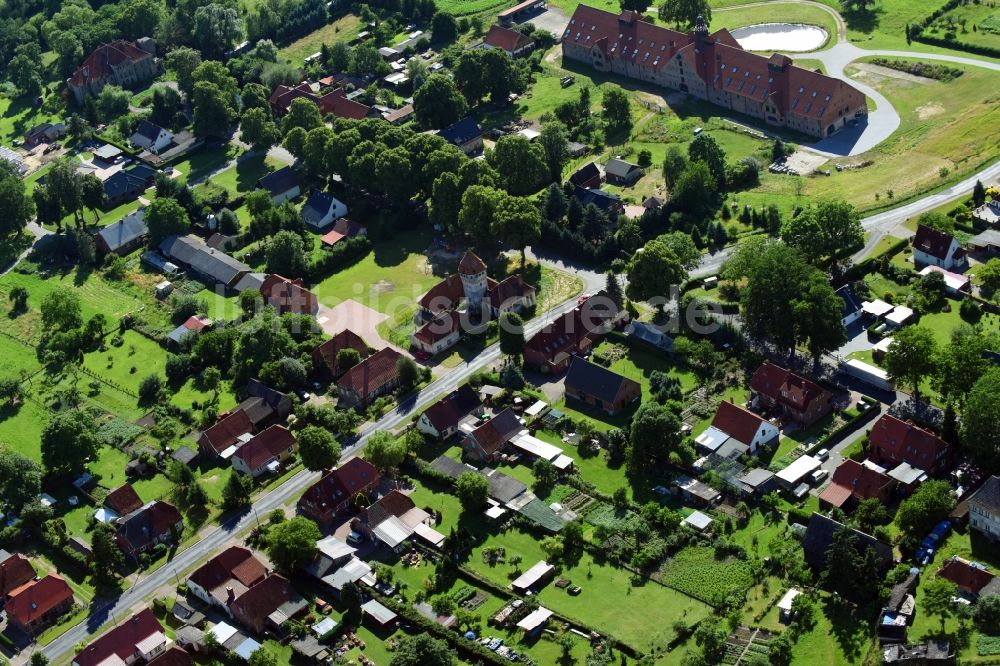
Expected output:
(823, 454)
(819, 475)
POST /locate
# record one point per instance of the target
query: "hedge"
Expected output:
(863, 268)
(340, 256)
(838, 434)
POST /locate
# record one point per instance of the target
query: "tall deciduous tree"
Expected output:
(706, 149)
(257, 129)
(684, 13)
(511, 334)
(165, 217)
(615, 106)
(475, 218)
(422, 650)
(318, 448)
(17, 206)
(554, 141)
(518, 223)
(472, 490)
(521, 163)
(980, 417)
(818, 313)
(912, 356)
(384, 451)
(292, 542)
(653, 271)
(69, 439)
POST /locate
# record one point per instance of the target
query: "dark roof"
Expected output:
(372, 373)
(450, 466)
(819, 536)
(585, 174)
(227, 430)
(967, 575)
(988, 495)
(123, 500)
(148, 130)
(595, 380)
(503, 488)
(495, 433)
(564, 335)
(142, 527)
(287, 295)
(121, 640)
(175, 656)
(449, 410)
(276, 400)
(620, 168)
(194, 252)
(342, 483)
(463, 131)
(133, 180)
(471, 264)
(317, 207)
(443, 295)
(933, 242)
(15, 571)
(603, 200)
(184, 455)
(346, 339)
(267, 596)
(266, 446)
(234, 563)
(394, 503)
(279, 182)
(851, 302)
(34, 599)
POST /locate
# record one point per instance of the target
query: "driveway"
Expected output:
(552, 19)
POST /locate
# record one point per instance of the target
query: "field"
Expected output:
(698, 573)
(343, 29)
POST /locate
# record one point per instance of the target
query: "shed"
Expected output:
(539, 574)
(798, 470)
(379, 614)
(698, 521)
(534, 621)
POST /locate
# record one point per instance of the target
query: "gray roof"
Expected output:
(595, 380)
(250, 282)
(819, 536)
(503, 488)
(193, 251)
(108, 152)
(124, 231)
(279, 182)
(988, 237)
(132, 180)
(450, 466)
(148, 130)
(619, 168)
(757, 477)
(317, 207)
(988, 494)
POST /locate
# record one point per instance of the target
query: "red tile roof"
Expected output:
(234, 563)
(266, 446)
(443, 295)
(394, 503)
(34, 599)
(288, 295)
(563, 336)
(121, 640)
(963, 573)
(510, 288)
(346, 339)
(341, 484)
(495, 433)
(438, 328)
(175, 656)
(15, 571)
(342, 228)
(253, 606)
(738, 423)
(785, 387)
(858, 480)
(334, 102)
(372, 373)
(471, 264)
(449, 410)
(507, 40)
(900, 441)
(123, 500)
(933, 242)
(227, 430)
(142, 527)
(98, 65)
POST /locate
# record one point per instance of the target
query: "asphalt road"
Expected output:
(214, 539)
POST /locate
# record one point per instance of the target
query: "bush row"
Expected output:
(342, 255)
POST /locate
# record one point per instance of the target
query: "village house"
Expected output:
(984, 509)
(150, 136)
(893, 442)
(192, 326)
(819, 535)
(264, 405)
(138, 639)
(937, 248)
(225, 577)
(972, 578)
(337, 489)
(795, 397)
(853, 482)
(712, 67)
(268, 605)
(484, 296)
(735, 431)
(206, 262)
(123, 236)
(551, 349)
(343, 228)
(228, 433)
(281, 185)
(265, 452)
(375, 376)
(852, 305)
(587, 176)
(43, 133)
(620, 172)
(123, 500)
(955, 284)
(440, 333)
(119, 63)
(15, 571)
(466, 134)
(325, 356)
(335, 565)
(599, 387)
(321, 210)
(334, 102)
(486, 442)
(511, 42)
(611, 204)
(392, 520)
(38, 603)
(127, 184)
(288, 296)
(156, 522)
(441, 419)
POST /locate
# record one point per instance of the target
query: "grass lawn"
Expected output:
(343, 29)
(943, 323)
(17, 116)
(841, 636)
(243, 177)
(592, 468)
(206, 160)
(21, 430)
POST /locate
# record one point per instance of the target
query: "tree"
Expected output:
(511, 327)
(653, 271)
(545, 474)
(149, 388)
(654, 434)
(384, 451)
(695, 190)
(236, 492)
(20, 479)
(217, 28)
(257, 129)
(518, 223)
(635, 5)
(685, 13)
(989, 276)
(183, 61)
(978, 194)
(61, 310)
(92, 194)
(706, 149)
(409, 373)
(979, 418)
(683, 248)
(936, 599)
(674, 164)
(292, 543)
(986, 614)
(301, 113)
(818, 313)
(521, 162)
(820, 233)
(165, 217)
(472, 490)
(869, 514)
(317, 448)
(929, 504)
(108, 558)
(25, 74)
(422, 650)
(347, 358)
(63, 185)
(911, 356)
(613, 289)
(616, 109)
(286, 254)
(262, 657)
(555, 204)
(213, 113)
(476, 215)
(444, 28)
(512, 378)
(69, 440)
(38, 659)
(554, 141)
(17, 205)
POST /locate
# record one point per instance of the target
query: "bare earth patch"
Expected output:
(929, 110)
(888, 72)
(804, 161)
(382, 287)
(355, 316)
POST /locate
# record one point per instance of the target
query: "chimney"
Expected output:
(230, 595)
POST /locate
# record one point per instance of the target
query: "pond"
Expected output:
(785, 37)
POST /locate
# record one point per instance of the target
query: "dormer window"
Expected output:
(801, 90)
